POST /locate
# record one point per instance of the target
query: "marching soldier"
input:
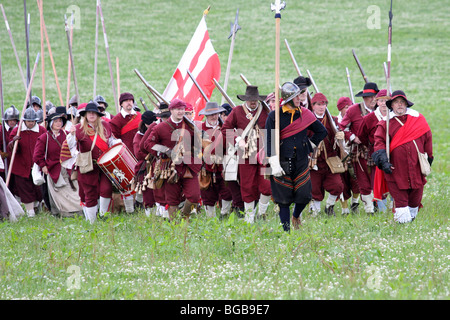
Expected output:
(250, 118)
(290, 180)
(351, 188)
(124, 126)
(213, 189)
(102, 105)
(173, 142)
(350, 125)
(409, 135)
(29, 194)
(322, 178)
(10, 120)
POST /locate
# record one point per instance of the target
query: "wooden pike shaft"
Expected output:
(151, 89)
(13, 155)
(14, 47)
(41, 19)
(294, 61)
(69, 40)
(96, 51)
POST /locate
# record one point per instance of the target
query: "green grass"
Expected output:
(134, 257)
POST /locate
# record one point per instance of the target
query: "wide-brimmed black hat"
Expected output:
(148, 117)
(251, 94)
(302, 82)
(163, 110)
(60, 112)
(397, 94)
(227, 108)
(370, 89)
(93, 107)
(211, 108)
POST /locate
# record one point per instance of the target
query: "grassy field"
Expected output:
(135, 257)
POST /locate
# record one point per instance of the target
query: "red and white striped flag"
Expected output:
(202, 61)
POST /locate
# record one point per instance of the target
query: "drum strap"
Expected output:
(101, 144)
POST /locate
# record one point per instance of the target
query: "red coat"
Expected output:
(117, 123)
(328, 141)
(404, 158)
(352, 120)
(5, 143)
(212, 135)
(52, 162)
(23, 161)
(162, 134)
(366, 131)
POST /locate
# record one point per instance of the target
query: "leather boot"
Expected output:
(172, 212)
(188, 206)
(330, 211)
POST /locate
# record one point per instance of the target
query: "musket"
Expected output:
(249, 84)
(330, 119)
(71, 56)
(295, 64)
(151, 100)
(234, 29)
(27, 40)
(14, 47)
(224, 94)
(350, 86)
(108, 57)
(51, 57)
(360, 67)
(389, 76)
(157, 95)
(143, 104)
(197, 85)
(5, 161)
(13, 155)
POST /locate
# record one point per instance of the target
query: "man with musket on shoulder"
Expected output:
(173, 142)
(290, 178)
(249, 119)
(409, 135)
(212, 184)
(362, 164)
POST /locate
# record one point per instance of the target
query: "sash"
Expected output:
(303, 122)
(100, 143)
(413, 128)
(132, 124)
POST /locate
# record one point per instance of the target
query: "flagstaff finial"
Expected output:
(234, 26)
(206, 11)
(277, 6)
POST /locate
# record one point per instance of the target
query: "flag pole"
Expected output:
(277, 7)
(388, 88)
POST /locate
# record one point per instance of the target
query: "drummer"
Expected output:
(124, 126)
(95, 184)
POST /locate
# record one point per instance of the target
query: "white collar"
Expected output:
(124, 113)
(177, 122)
(339, 117)
(34, 129)
(409, 111)
(250, 109)
(319, 117)
(379, 115)
(208, 125)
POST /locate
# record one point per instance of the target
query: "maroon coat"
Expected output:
(366, 131)
(404, 158)
(352, 120)
(23, 161)
(213, 134)
(328, 141)
(52, 162)
(117, 123)
(5, 143)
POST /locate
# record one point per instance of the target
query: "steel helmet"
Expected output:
(36, 100)
(30, 115)
(289, 91)
(99, 99)
(12, 113)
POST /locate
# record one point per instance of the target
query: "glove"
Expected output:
(4, 154)
(15, 138)
(381, 160)
(274, 163)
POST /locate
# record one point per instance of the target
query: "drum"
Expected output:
(118, 164)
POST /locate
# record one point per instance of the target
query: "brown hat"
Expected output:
(251, 94)
(125, 96)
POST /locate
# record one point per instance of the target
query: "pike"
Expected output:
(41, 19)
(108, 57)
(69, 75)
(360, 67)
(234, 29)
(14, 47)
(27, 40)
(224, 94)
(3, 114)
(335, 129)
(51, 56)
(249, 84)
(96, 49)
(157, 95)
(71, 56)
(277, 7)
(350, 86)
(27, 96)
(295, 64)
(388, 73)
(118, 78)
